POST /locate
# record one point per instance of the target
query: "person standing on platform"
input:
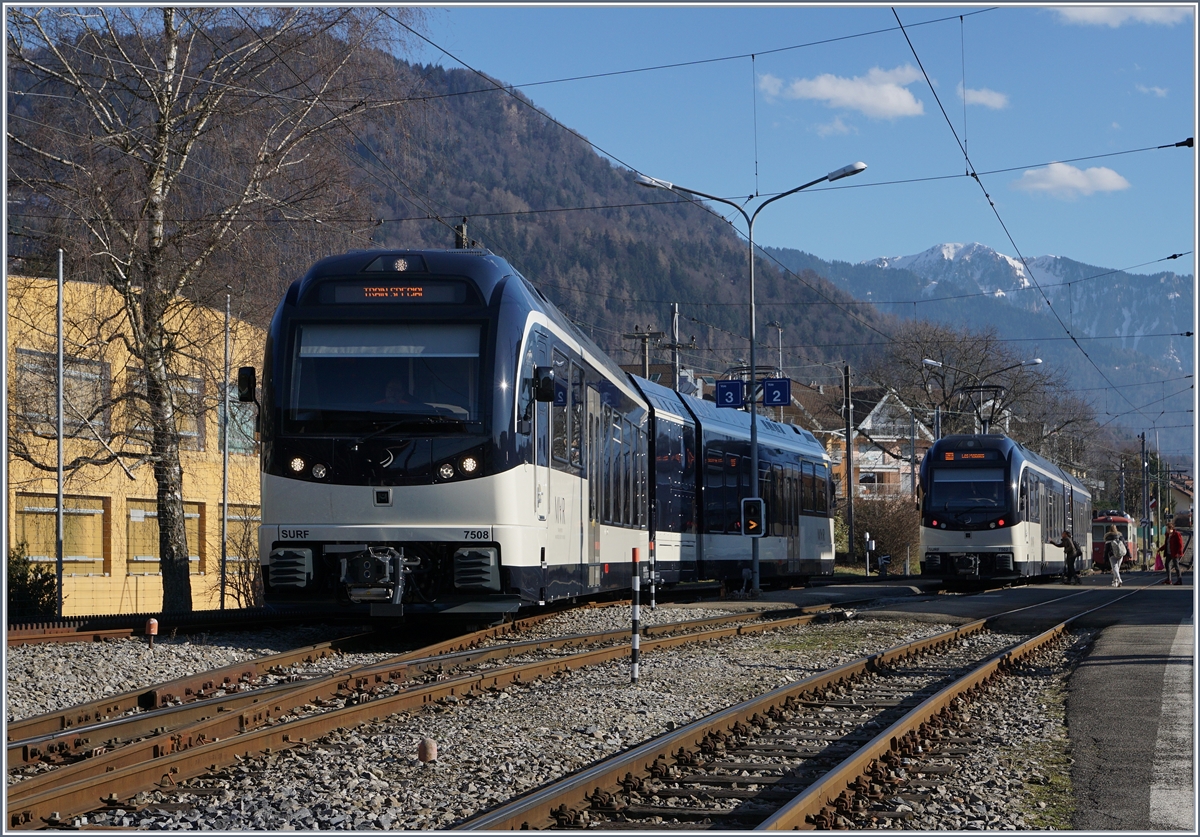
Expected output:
(1070, 554)
(1115, 552)
(1172, 547)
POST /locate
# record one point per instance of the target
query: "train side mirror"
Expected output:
(543, 384)
(247, 383)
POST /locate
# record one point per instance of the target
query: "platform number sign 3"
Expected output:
(730, 394)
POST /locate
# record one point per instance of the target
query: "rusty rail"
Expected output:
(811, 809)
(533, 810)
(214, 742)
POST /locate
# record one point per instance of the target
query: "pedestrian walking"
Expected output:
(1115, 552)
(1070, 554)
(1172, 547)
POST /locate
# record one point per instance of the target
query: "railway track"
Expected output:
(68, 763)
(840, 749)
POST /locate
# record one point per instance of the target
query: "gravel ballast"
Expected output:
(495, 745)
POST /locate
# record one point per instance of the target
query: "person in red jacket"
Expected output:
(1172, 547)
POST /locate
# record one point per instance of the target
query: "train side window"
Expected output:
(820, 489)
(687, 488)
(558, 413)
(775, 502)
(576, 432)
(714, 489)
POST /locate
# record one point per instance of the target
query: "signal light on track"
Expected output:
(753, 517)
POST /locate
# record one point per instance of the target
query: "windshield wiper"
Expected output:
(424, 421)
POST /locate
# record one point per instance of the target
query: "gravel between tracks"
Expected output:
(496, 745)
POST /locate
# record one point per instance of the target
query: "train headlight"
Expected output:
(468, 464)
(446, 471)
(319, 471)
(297, 464)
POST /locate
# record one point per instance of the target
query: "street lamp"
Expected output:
(986, 422)
(655, 183)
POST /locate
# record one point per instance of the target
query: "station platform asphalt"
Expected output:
(1131, 712)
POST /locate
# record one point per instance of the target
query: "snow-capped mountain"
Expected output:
(1130, 353)
(1089, 301)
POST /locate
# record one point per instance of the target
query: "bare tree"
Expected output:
(162, 142)
(981, 376)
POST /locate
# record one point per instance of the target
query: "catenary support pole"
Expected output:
(58, 505)
(849, 461)
(225, 461)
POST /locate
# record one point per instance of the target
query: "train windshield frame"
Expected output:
(352, 376)
(968, 489)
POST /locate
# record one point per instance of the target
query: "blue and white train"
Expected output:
(992, 509)
(438, 437)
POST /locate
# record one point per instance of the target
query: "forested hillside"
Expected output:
(611, 254)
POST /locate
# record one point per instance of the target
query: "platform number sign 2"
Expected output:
(731, 394)
(777, 392)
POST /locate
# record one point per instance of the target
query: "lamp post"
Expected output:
(985, 422)
(655, 183)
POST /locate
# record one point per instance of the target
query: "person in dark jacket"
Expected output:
(1070, 554)
(1172, 548)
(1115, 552)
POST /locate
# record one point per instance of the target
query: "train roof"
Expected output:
(1010, 448)
(732, 422)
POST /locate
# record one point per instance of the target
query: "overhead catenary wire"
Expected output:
(975, 176)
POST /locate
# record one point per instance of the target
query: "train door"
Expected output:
(1043, 498)
(791, 508)
(576, 491)
(541, 435)
(594, 474)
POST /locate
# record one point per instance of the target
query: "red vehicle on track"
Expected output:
(1126, 526)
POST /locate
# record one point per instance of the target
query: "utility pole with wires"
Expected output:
(675, 345)
(645, 336)
(778, 326)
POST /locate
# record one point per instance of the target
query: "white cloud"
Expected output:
(837, 126)
(983, 96)
(770, 85)
(880, 93)
(1160, 92)
(1114, 16)
(1060, 180)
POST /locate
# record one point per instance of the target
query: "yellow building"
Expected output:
(110, 543)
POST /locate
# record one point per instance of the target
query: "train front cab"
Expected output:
(992, 510)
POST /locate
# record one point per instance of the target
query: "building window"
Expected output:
(85, 526)
(241, 424)
(87, 390)
(188, 395)
(142, 540)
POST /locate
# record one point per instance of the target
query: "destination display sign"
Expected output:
(375, 291)
(970, 455)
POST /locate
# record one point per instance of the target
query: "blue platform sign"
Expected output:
(731, 394)
(777, 392)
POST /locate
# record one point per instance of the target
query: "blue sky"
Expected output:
(827, 86)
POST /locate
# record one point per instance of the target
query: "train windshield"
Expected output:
(967, 489)
(361, 377)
